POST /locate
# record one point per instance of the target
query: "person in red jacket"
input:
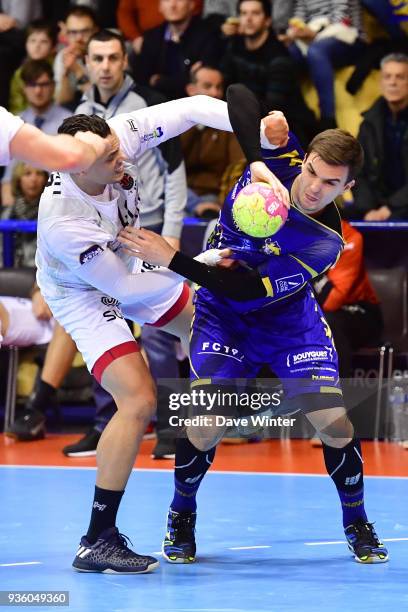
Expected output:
(349, 301)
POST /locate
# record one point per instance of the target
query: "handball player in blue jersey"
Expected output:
(263, 311)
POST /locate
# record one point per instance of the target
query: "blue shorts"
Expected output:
(292, 337)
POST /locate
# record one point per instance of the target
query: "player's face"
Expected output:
(32, 182)
(176, 11)
(252, 19)
(39, 93)
(208, 82)
(109, 169)
(38, 46)
(320, 183)
(106, 63)
(394, 82)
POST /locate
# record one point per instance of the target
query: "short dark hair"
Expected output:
(194, 72)
(338, 148)
(85, 123)
(32, 70)
(266, 6)
(82, 11)
(40, 25)
(107, 35)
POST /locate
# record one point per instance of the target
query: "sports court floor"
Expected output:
(269, 531)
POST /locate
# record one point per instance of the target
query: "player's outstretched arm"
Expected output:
(60, 152)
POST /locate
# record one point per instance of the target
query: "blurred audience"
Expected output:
(27, 186)
(70, 74)
(15, 15)
(207, 152)
(381, 191)
(260, 61)
(325, 34)
(41, 40)
(38, 88)
(172, 49)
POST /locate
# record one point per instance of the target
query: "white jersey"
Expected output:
(9, 126)
(74, 227)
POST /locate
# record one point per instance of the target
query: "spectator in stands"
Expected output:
(105, 9)
(349, 302)
(207, 152)
(69, 68)
(137, 16)
(260, 61)
(41, 39)
(381, 191)
(28, 184)
(170, 50)
(14, 17)
(38, 80)
(325, 34)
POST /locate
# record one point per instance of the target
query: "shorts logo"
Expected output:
(113, 314)
(213, 348)
(157, 133)
(127, 182)
(289, 283)
(90, 253)
(307, 356)
(108, 301)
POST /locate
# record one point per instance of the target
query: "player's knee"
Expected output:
(140, 404)
(203, 438)
(337, 433)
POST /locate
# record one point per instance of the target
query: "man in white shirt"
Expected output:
(84, 274)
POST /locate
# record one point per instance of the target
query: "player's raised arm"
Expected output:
(60, 152)
(245, 115)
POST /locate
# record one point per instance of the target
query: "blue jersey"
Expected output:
(302, 249)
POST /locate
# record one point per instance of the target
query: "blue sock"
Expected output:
(191, 465)
(345, 468)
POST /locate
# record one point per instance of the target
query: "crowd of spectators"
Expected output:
(60, 59)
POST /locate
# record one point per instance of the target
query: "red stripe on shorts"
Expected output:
(114, 353)
(174, 310)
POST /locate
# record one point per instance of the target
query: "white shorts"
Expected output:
(97, 323)
(24, 328)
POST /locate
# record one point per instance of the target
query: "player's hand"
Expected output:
(147, 245)
(261, 173)
(40, 308)
(276, 128)
(173, 242)
(102, 146)
(215, 257)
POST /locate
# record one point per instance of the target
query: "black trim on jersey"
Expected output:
(245, 114)
(239, 286)
(330, 217)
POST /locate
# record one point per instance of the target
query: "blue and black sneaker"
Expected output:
(179, 544)
(364, 543)
(111, 555)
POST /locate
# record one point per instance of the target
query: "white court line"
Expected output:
(248, 547)
(22, 563)
(211, 473)
(344, 541)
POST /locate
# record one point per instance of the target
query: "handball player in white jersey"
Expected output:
(91, 284)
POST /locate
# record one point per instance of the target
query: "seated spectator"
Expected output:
(349, 302)
(15, 15)
(207, 152)
(27, 184)
(260, 61)
(25, 322)
(105, 9)
(69, 68)
(325, 34)
(170, 50)
(137, 16)
(41, 39)
(38, 80)
(381, 191)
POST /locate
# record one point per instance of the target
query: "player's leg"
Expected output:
(58, 361)
(215, 352)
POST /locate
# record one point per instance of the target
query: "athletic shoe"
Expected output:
(364, 543)
(165, 448)
(111, 555)
(27, 427)
(85, 447)
(179, 544)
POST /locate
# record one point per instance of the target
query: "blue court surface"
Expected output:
(266, 542)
